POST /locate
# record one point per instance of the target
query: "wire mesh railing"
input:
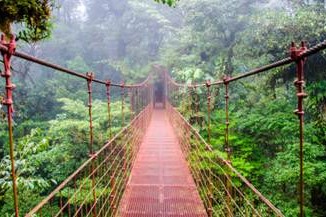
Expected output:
(96, 187)
(220, 184)
(224, 191)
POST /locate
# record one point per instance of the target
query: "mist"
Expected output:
(194, 41)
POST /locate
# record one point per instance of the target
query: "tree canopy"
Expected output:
(32, 15)
(169, 2)
(195, 40)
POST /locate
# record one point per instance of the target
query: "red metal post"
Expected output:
(167, 88)
(125, 152)
(299, 83)
(208, 86)
(227, 121)
(227, 143)
(210, 187)
(90, 77)
(132, 99)
(196, 104)
(122, 104)
(108, 95)
(8, 101)
(137, 101)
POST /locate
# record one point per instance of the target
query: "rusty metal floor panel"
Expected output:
(161, 183)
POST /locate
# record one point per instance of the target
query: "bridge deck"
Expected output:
(161, 183)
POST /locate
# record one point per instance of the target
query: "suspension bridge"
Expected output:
(158, 164)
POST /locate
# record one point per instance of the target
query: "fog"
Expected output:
(116, 39)
(195, 41)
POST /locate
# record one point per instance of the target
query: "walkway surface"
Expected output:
(161, 183)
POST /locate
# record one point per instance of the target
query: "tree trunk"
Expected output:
(5, 27)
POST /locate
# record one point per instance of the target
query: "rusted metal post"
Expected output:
(208, 86)
(8, 101)
(191, 100)
(189, 108)
(210, 187)
(299, 83)
(122, 104)
(125, 152)
(196, 104)
(132, 99)
(108, 95)
(227, 121)
(137, 101)
(227, 143)
(90, 78)
(167, 88)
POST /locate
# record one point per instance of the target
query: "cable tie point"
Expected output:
(297, 112)
(302, 95)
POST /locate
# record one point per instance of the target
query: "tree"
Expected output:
(208, 36)
(32, 15)
(169, 2)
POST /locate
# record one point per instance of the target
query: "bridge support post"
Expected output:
(90, 78)
(8, 101)
(125, 149)
(208, 86)
(108, 95)
(299, 83)
(227, 145)
(132, 99)
(196, 105)
(122, 105)
(210, 185)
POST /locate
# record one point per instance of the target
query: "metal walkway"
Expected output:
(161, 183)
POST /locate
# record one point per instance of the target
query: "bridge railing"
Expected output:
(224, 191)
(96, 187)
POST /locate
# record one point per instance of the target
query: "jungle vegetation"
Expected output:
(196, 40)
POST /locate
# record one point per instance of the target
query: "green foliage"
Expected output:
(85, 194)
(168, 2)
(33, 15)
(316, 107)
(207, 39)
(283, 174)
(196, 40)
(45, 157)
(270, 33)
(26, 152)
(27, 199)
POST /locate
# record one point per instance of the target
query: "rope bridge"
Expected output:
(105, 183)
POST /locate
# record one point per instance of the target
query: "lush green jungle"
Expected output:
(195, 40)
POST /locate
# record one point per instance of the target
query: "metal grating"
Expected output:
(161, 183)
